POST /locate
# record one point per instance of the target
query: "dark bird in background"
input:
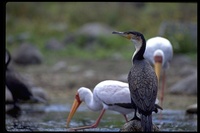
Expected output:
(19, 90)
(142, 80)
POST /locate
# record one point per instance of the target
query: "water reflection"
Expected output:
(53, 118)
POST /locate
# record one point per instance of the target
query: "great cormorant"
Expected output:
(142, 80)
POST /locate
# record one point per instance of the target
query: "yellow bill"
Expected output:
(75, 105)
(158, 67)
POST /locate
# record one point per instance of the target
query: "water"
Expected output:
(53, 118)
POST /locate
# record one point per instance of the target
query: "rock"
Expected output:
(187, 70)
(180, 60)
(95, 29)
(8, 96)
(54, 44)
(184, 29)
(192, 109)
(59, 66)
(27, 54)
(88, 35)
(135, 126)
(187, 85)
(89, 74)
(40, 94)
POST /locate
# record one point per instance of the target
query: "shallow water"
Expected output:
(53, 118)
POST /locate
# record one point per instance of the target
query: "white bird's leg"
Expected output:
(125, 118)
(163, 87)
(93, 125)
(162, 91)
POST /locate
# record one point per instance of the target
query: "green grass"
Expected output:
(45, 20)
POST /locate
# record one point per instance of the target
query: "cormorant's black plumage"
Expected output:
(142, 81)
(143, 85)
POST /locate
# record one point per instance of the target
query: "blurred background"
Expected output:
(60, 46)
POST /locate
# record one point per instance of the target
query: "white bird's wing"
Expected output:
(112, 92)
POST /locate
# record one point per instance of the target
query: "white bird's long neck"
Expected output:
(91, 102)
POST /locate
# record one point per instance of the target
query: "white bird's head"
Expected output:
(77, 102)
(158, 61)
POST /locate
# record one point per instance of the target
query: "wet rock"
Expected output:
(18, 125)
(192, 109)
(135, 126)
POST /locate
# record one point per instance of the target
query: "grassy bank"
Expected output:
(37, 22)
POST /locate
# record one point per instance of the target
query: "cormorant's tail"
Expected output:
(146, 123)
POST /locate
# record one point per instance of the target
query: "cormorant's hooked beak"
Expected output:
(128, 36)
(75, 106)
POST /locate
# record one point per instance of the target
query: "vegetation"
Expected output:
(37, 22)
